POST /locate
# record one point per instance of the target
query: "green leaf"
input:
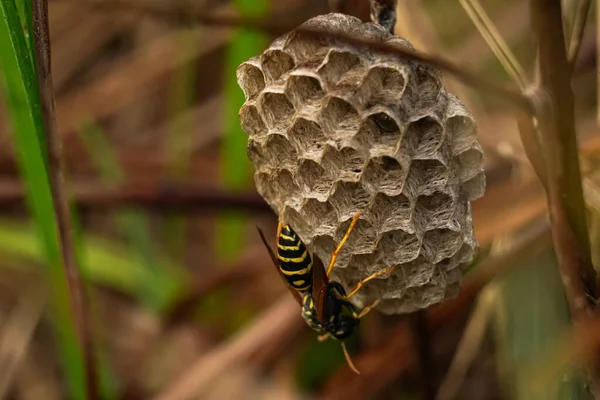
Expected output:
(20, 87)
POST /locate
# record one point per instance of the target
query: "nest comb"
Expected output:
(333, 128)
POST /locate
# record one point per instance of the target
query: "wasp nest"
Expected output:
(334, 128)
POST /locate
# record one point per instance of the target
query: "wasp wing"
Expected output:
(319, 289)
(276, 264)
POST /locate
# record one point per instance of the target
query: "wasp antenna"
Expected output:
(349, 360)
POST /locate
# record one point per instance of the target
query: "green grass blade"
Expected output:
(236, 169)
(20, 87)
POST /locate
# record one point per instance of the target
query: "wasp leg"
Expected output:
(279, 227)
(366, 310)
(339, 247)
(323, 338)
(367, 279)
(348, 359)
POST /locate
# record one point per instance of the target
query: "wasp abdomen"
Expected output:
(294, 261)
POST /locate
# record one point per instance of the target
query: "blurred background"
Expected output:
(184, 301)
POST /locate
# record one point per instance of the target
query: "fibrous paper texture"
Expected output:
(334, 128)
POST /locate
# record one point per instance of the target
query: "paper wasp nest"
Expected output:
(333, 129)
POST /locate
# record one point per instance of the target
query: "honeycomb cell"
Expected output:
(464, 255)
(385, 175)
(380, 132)
(426, 177)
(305, 48)
(280, 152)
(391, 212)
(340, 119)
(399, 247)
(297, 222)
(423, 138)
(251, 79)
(363, 238)
(474, 188)
(263, 186)
(316, 183)
(307, 138)
(336, 64)
(283, 182)
(367, 264)
(440, 243)
(256, 154)
(469, 163)
(429, 85)
(275, 63)
(305, 92)
(276, 110)
(382, 86)
(252, 122)
(417, 272)
(323, 246)
(460, 127)
(320, 216)
(434, 210)
(348, 198)
(347, 163)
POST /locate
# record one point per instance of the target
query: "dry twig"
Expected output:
(59, 193)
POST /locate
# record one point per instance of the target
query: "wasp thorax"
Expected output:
(333, 129)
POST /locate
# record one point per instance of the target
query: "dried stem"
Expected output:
(555, 115)
(490, 34)
(179, 197)
(578, 29)
(460, 72)
(57, 187)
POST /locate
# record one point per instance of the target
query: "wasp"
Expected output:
(325, 305)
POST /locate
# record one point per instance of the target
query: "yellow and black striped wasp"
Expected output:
(322, 301)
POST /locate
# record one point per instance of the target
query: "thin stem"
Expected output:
(42, 52)
(490, 34)
(460, 72)
(581, 17)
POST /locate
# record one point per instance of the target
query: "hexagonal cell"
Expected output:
(464, 255)
(348, 198)
(385, 175)
(340, 119)
(304, 91)
(347, 163)
(434, 210)
(426, 177)
(474, 188)
(275, 63)
(336, 64)
(293, 217)
(307, 137)
(379, 132)
(320, 216)
(305, 47)
(440, 243)
(251, 121)
(368, 264)
(382, 85)
(429, 85)
(388, 213)
(280, 152)
(452, 291)
(250, 78)
(283, 182)
(323, 246)
(469, 163)
(423, 138)
(315, 181)
(277, 110)
(256, 154)
(399, 247)
(417, 272)
(362, 239)
(262, 181)
(460, 126)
